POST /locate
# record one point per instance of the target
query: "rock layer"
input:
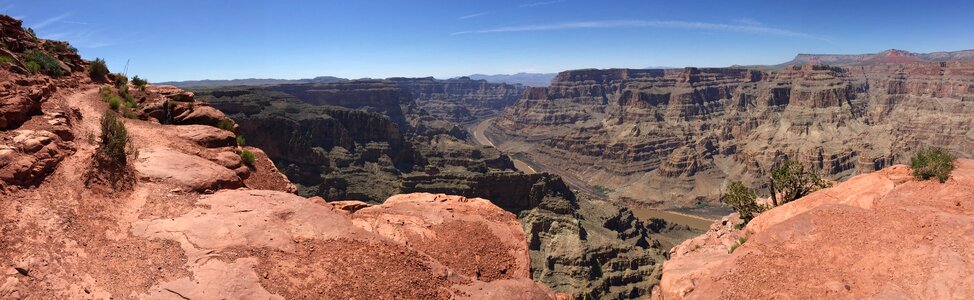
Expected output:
(675, 137)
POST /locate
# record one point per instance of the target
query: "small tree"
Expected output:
(98, 70)
(141, 83)
(742, 199)
(792, 181)
(932, 162)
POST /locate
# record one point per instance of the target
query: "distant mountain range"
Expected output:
(528, 79)
(888, 56)
(248, 81)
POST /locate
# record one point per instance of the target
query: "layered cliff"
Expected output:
(675, 137)
(879, 235)
(577, 245)
(462, 99)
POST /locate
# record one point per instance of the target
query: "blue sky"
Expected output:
(184, 40)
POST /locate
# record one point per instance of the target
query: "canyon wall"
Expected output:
(462, 99)
(577, 245)
(676, 137)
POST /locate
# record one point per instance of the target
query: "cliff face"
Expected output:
(188, 218)
(460, 100)
(674, 137)
(878, 235)
(577, 245)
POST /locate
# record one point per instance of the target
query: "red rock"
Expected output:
(879, 235)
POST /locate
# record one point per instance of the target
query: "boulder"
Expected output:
(190, 172)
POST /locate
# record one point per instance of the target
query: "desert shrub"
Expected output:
(105, 91)
(33, 67)
(113, 102)
(225, 124)
(121, 81)
(30, 31)
(48, 65)
(791, 181)
(57, 47)
(248, 157)
(932, 162)
(114, 139)
(743, 200)
(98, 70)
(241, 141)
(5, 59)
(139, 82)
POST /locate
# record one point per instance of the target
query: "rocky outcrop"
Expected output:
(461, 99)
(674, 137)
(366, 254)
(878, 235)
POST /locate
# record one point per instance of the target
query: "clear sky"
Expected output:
(184, 40)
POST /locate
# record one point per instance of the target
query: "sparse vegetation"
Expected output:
(248, 157)
(740, 241)
(98, 70)
(932, 162)
(743, 200)
(241, 141)
(45, 63)
(32, 67)
(141, 83)
(225, 124)
(791, 181)
(115, 142)
(5, 59)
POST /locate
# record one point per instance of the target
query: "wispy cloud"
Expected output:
(749, 29)
(474, 15)
(49, 21)
(534, 4)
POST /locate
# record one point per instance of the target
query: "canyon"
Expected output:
(368, 140)
(605, 183)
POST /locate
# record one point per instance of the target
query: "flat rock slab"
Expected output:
(190, 172)
(207, 136)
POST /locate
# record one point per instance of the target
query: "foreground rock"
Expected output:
(882, 235)
(273, 245)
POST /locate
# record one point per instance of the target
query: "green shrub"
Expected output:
(114, 102)
(49, 65)
(30, 31)
(740, 241)
(114, 139)
(4, 59)
(241, 141)
(743, 200)
(248, 157)
(121, 81)
(33, 67)
(140, 82)
(225, 124)
(792, 181)
(98, 70)
(932, 162)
